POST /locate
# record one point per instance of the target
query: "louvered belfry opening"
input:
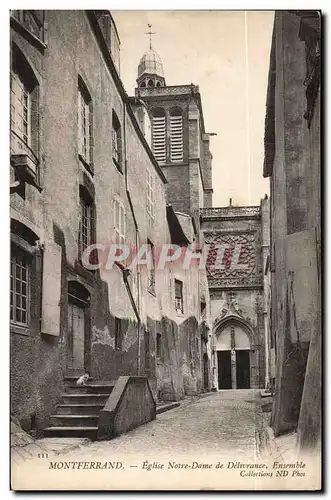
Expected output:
(159, 135)
(176, 135)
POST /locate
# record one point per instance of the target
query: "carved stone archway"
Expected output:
(233, 319)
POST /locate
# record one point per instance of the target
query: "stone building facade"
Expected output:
(83, 173)
(292, 162)
(235, 237)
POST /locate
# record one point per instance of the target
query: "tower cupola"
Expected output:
(150, 68)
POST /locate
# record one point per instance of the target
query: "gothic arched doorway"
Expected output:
(233, 357)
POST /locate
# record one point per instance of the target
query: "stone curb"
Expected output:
(166, 407)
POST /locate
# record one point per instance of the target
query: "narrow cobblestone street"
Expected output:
(219, 423)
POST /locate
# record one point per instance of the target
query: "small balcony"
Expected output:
(23, 160)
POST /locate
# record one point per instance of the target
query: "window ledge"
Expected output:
(88, 166)
(118, 166)
(19, 329)
(33, 39)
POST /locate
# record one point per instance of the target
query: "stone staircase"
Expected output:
(77, 414)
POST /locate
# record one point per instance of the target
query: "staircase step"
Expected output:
(73, 377)
(90, 388)
(86, 432)
(81, 409)
(74, 420)
(84, 398)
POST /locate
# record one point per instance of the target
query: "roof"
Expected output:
(178, 237)
(150, 63)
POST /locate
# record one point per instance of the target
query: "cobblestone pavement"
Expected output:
(221, 423)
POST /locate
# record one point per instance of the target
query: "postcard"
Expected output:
(165, 244)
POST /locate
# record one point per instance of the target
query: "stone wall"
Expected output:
(295, 224)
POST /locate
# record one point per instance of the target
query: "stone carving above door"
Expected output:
(233, 259)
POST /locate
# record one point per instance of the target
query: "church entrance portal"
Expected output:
(233, 358)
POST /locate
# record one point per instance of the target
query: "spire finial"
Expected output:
(150, 33)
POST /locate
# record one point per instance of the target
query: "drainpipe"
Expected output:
(265, 249)
(136, 307)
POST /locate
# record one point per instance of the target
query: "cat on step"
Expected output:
(83, 379)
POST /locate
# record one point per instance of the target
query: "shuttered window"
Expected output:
(159, 138)
(176, 138)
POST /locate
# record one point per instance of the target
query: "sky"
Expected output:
(230, 64)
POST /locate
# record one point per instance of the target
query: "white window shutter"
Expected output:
(159, 138)
(51, 291)
(176, 138)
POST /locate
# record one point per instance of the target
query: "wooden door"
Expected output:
(76, 331)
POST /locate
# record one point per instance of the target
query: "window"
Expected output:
(24, 110)
(86, 223)
(158, 345)
(150, 83)
(85, 124)
(19, 286)
(159, 135)
(150, 194)
(119, 220)
(151, 269)
(176, 135)
(179, 304)
(116, 142)
(32, 20)
(20, 108)
(118, 334)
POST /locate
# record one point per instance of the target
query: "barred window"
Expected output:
(19, 286)
(85, 123)
(179, 303)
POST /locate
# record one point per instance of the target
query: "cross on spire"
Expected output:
(150, 33)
